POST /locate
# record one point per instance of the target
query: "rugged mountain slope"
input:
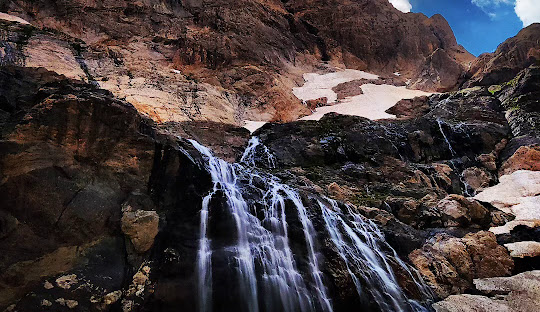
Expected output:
(89, 183)
(373, 35)
(228, 61)
(510, 58)
(101, 207)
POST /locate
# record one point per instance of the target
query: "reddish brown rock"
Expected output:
(459, 211)
(313, 104)
(348, 89)
(410, 108)
(508, 60)
(489, 161)
(450, 264)
(525, 158)
(476, 178)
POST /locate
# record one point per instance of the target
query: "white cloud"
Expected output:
(487, 4)
(490, 6)
(402, 5)
(528, 11)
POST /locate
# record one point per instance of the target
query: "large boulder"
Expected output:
(519, 293)
(525, 158)
(449, 264)
(460, 211)
(141, 227)
(410, 108)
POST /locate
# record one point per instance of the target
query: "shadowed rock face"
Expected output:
(72, 156)
(512, 56)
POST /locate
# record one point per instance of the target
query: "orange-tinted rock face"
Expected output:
(525, 158)
(450, 264)
(234, 60)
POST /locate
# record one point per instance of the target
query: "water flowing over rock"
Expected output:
(269, 273)
(128, 184)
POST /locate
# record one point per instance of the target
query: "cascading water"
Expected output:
(390, 136)
(359, 244)
(261, 244)
(440, 123)
(250, 154)
(267, 273)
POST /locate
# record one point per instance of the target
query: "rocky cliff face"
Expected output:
(228, 61)
(101, 204)
(508, 60)
(374, 35)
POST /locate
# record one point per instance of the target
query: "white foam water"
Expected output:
(262, 243)
(360, 244)
(262, 259)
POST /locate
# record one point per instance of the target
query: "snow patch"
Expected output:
(516, 193)
(320, 85)
(12, 18)
(372, 104)
(252, 126)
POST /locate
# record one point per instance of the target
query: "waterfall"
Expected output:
(260, 256)
(261, 244)
(224, 179)
(439, 122)
(359, 244)
(253, 149)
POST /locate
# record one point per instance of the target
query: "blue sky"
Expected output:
(479, 25)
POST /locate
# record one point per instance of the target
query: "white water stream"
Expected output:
(267, 271)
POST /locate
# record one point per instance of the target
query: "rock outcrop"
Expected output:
(450, 264)
(511, 56)
(418, 47)
(141, 227)
(509, 294)
(71, 155)
(459, 211)
(525, 158)
(410, 108)
(231, 60)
